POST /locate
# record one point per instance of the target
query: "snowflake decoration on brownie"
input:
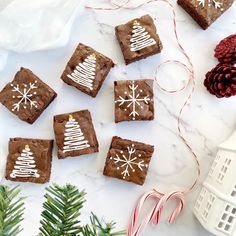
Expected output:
(24, 96)
(211, 3)
(127, 163)
(133, 100)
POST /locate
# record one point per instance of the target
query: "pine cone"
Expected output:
(225, 51)
(221, 81)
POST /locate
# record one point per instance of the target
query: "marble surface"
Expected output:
(207, 121)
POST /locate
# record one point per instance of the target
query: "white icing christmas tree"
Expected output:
(84, 73)
(140, 38)
(25, 165)
(74, 139)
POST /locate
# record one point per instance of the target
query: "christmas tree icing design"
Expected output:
(126, 163)
(211, 3)
(24, 96)
(74, 139)
(140, 38)
(133, 100)
(85, 72)
(25, 165)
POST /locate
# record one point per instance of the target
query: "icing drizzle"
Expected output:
(84, 73)
(126, 164)
(25, 165)
(24, 96)
(74, 138)
(211, 3)
(133, 100)
(140, 38)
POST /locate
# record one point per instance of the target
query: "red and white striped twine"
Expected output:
(160, 199)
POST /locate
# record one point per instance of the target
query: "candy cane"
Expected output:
(155, 213)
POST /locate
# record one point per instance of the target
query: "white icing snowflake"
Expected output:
(24, 95)
(211, 3)
(127, 163)
(133, 100)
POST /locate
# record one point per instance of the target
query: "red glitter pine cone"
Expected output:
(225, 51)
(221, 81)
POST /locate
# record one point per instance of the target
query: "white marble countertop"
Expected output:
(208, 121)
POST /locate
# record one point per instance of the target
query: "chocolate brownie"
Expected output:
(27, 96)
(75, 134)
(29, 160)
(128, 160)
(205, 12)
(134, 100)
(87, 70)
(138, 39)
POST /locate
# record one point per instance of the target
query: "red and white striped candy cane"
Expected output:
(155, 213)
(159, 198)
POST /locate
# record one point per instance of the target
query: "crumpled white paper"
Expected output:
(27, 25)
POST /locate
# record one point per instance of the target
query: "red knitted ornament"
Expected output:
(221, 81)
(225, 51)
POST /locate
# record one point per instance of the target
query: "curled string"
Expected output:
(160, 199)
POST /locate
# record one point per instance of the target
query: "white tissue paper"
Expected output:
(27, 25)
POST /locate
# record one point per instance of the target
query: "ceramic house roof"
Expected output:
(230, 143)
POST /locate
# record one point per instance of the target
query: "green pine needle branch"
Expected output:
(96, 228)
(11, 211)
(61, 211)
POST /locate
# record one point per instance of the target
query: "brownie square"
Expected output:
(27, 96)
(128, 160)
(29, 160)
(134, 100)
(75, 134)
(138, 39)
(87, 70)
(205, 12)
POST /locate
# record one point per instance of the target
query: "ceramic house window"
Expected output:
(213, 167)
(233, 193)
(227, 221)
(208, 207)
(223, 170)
(200, 199)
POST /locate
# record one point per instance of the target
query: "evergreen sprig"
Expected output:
(61, 211)
(11, 211)
(96, 228)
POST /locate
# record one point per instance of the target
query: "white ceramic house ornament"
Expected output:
(215, 207)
